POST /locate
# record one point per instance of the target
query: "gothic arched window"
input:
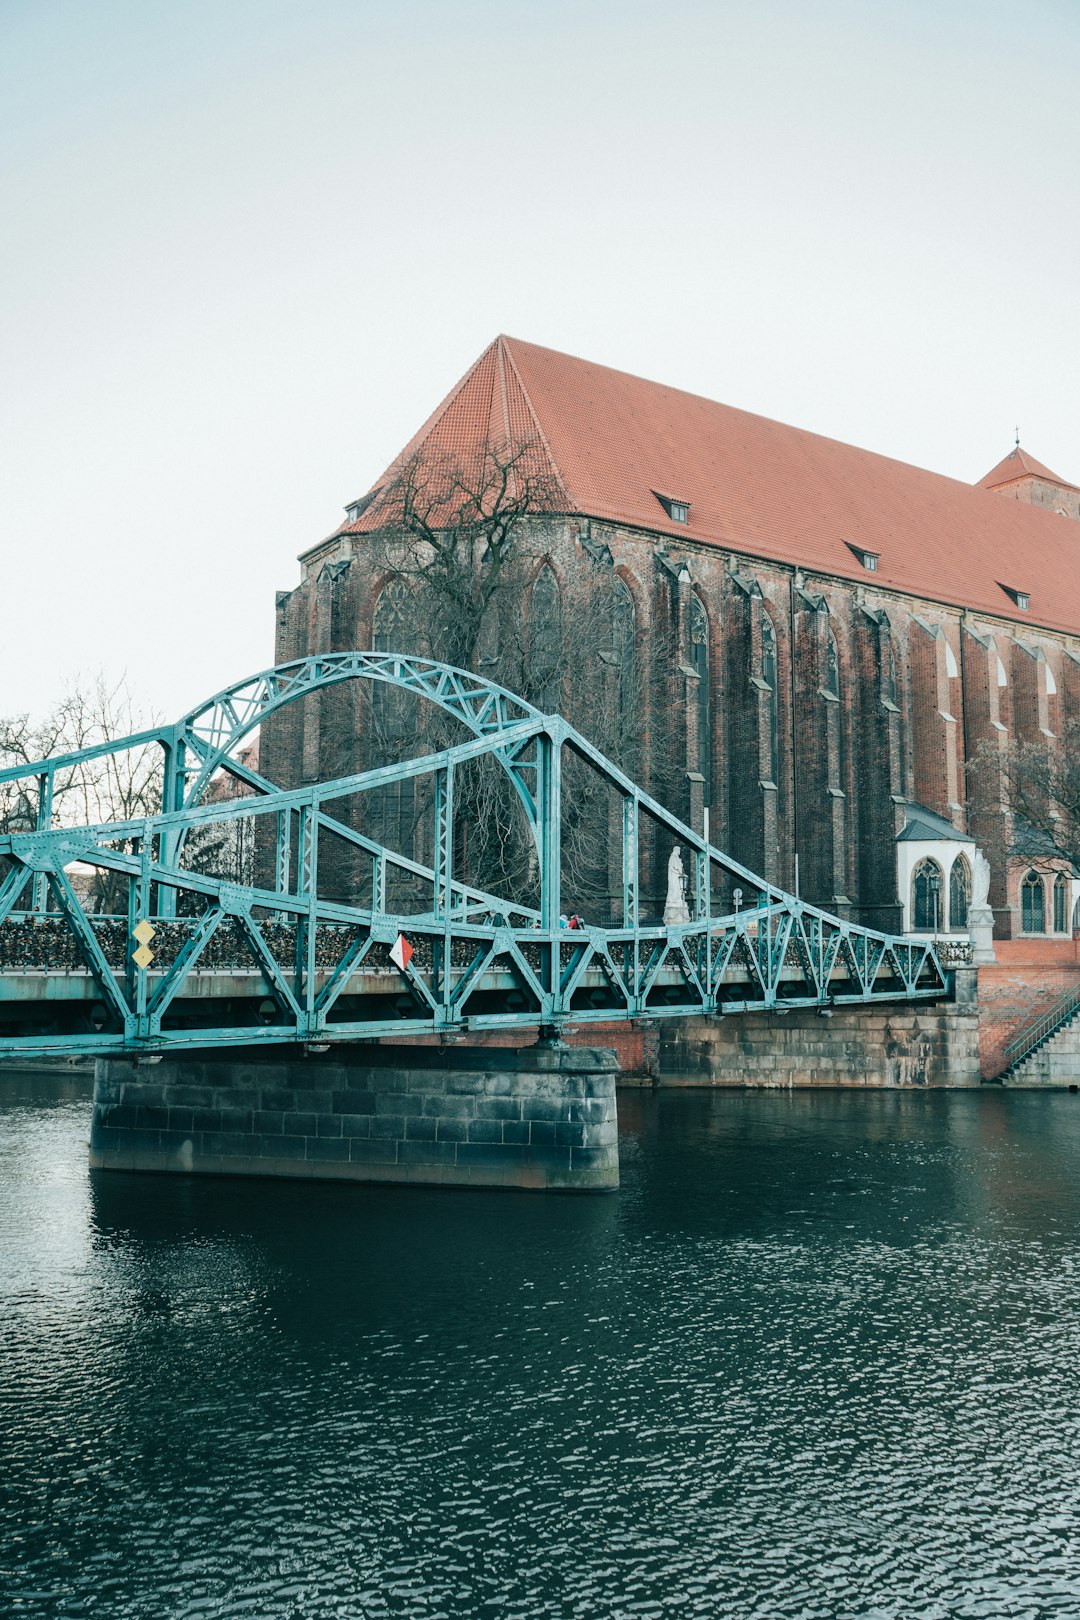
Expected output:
(395, 628)
(623, 632)
(926, 915)
(489, 640)
(888, 658)
(768, 676)
(699, 662)
(546, 641)
(1033, 904)
(324, 592)
(1061, 903)
(959, 892)
(832, 666)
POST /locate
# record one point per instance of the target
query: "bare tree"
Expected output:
(23, 741)
(464, 549)
(1039, 782)
(112, 787)
(456, 531)
(226, 849)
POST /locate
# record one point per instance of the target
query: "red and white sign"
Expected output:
(401, 952)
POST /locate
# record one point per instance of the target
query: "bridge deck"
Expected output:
(659, 974)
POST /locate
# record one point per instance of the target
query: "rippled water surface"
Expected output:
(818, 1358)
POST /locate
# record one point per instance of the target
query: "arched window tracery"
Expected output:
(889, 660)
(1061, 903)
(769, 678)
(395, 628)
(926, 882)
(623, 633)
(489, 639)
(959, 892)
(546, 641)
(699, 661)
(1033, 904)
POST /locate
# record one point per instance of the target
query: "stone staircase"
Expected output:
(1046, 1052)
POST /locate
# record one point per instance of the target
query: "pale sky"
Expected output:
(249, 244)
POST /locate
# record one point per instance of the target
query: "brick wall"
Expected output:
(1039, 492)
(636, 1046)
(845, 770)
(1025, 981)
(931, 731)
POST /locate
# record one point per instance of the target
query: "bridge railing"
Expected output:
(738, 945)
(1033, 1035)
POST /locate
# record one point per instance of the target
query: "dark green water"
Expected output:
(818, 1358)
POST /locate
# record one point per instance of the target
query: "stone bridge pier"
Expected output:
(541, 1117)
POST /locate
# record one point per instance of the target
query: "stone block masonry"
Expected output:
(1055, 1065)
(898, 1044)
(540, 1118)
(921, 1043)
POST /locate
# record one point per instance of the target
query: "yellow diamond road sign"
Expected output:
(144, 931)
(142, 957)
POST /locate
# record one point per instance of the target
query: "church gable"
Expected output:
(608, 441)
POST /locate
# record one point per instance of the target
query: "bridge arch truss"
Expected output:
(197, 961)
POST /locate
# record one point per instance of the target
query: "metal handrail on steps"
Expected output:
(1022, 1045)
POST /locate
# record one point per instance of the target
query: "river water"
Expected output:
(819, 1357)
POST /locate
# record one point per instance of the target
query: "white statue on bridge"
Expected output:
(980, 881)
(980, 915)
(675, 907)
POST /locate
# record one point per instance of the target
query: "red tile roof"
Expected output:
(1019, 464)
(608, 440)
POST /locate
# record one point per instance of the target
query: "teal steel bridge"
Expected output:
(187, 959)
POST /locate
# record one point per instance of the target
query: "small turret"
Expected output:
(1022, 478)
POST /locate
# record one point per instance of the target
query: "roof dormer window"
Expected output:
(867, 558)
(1021, 598)
(678, 511)
(356, 509)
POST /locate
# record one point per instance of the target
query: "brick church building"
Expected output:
(842, 634)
